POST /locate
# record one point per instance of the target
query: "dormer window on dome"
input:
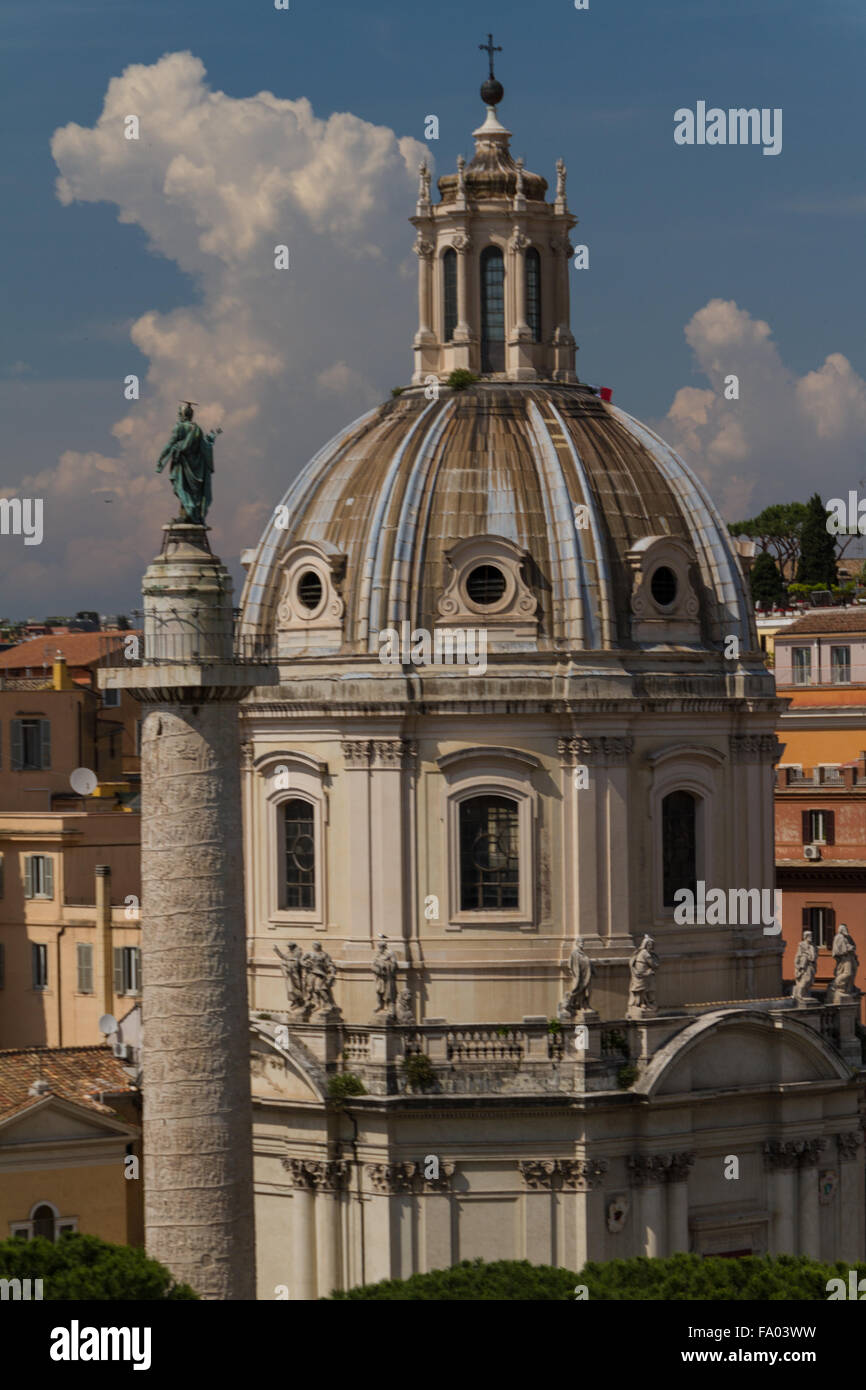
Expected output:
(664, 600)
(487, 589)
(493, 261)
(310, 605)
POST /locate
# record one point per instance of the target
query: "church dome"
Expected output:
(549, 516)
(522, 505)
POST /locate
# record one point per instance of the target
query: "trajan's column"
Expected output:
(198, 1205)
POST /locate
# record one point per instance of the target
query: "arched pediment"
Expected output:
(733, 1050)
(282, 1068)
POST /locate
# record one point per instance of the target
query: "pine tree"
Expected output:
(817, 548)
(765, 580)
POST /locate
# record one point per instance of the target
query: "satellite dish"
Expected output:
(108, 1024)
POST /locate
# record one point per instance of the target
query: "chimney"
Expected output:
(60, 677)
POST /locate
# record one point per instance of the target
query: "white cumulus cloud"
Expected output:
(785, 438)
(217, 183)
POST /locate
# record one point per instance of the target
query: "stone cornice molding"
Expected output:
(486, 753)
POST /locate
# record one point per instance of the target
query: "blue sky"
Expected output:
(670, 229)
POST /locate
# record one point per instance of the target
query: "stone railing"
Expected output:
(356, 1045)
(486, 1045)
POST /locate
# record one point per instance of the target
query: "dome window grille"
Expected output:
(310, 590)
(485, 585)
(663, 586)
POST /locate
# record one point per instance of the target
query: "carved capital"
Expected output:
(681, 1165)
(755, 748)
(387, 753)
(582, 1174)
(537, 1173)
(598, 749)
(462, 242)
(445, 1179)
(392, 1177)
(644, 1170)
(519, 241)
(849, 1142)
(357, 753)
(423, 248)
(305, 1173)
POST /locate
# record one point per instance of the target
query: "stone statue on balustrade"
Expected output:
(643, 966)
(292, 966)
(385, 965)
(805, 966)
(842, 987)
(577, 999)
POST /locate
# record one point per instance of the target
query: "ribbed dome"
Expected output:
(394, 492)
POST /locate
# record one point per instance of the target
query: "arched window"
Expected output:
(43, 1221)
(300, 855)
(533, 293)
(492, 310)
(449, 294)
(489, 854)
(679, 845)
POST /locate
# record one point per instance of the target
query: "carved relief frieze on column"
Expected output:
(357, 753)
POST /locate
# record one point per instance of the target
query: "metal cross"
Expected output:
(489, 49)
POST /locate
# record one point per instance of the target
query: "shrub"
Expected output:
(762, 1278)
(345, 1083)
(626, 1076)
(397, 390)
(419, 1070)
(460, 378)
(87, 1268)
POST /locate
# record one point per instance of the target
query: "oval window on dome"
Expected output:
(485, 585)
(310, 590)
(663, 586)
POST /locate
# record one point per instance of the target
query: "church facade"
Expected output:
(480, 1025)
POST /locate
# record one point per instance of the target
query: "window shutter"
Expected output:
(28, 876)
(39, 959)
(136, 963)
(2, 875)
(17, 746)
(807, 919)
(84, 952)
(807, 827)
(2, 966)
(829, 827)
(118, 969)
(830, 914)
(45, 741)
(48, 875)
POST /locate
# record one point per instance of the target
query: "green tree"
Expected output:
(776, 529)
(85, 1267)
(761, 1278)
(817, 547)
(765, 580)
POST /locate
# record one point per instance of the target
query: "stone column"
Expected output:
(197, 1141)
(462, 244)
(809, 1242)
(304, 1175)
(387, 829)
(851, 1197)
(356, 759)
(435, 1243)
(539, 1176)
(331, 1180)
(424, 251)
(646, 1176)
(563, 339)
(584, 1177)
(780, 1160)
(603, 872)
(385, 1181)
(678, 1202)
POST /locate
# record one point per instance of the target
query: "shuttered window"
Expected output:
(127, 970)
(819, 827)
(31, 744)
(38, 876)
(2, 966)
(39, 965)
(84, 956)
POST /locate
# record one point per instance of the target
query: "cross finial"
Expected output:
(489, 48)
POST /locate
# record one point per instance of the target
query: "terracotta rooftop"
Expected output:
(76, 1074)
(844, 621)
(79, 649)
